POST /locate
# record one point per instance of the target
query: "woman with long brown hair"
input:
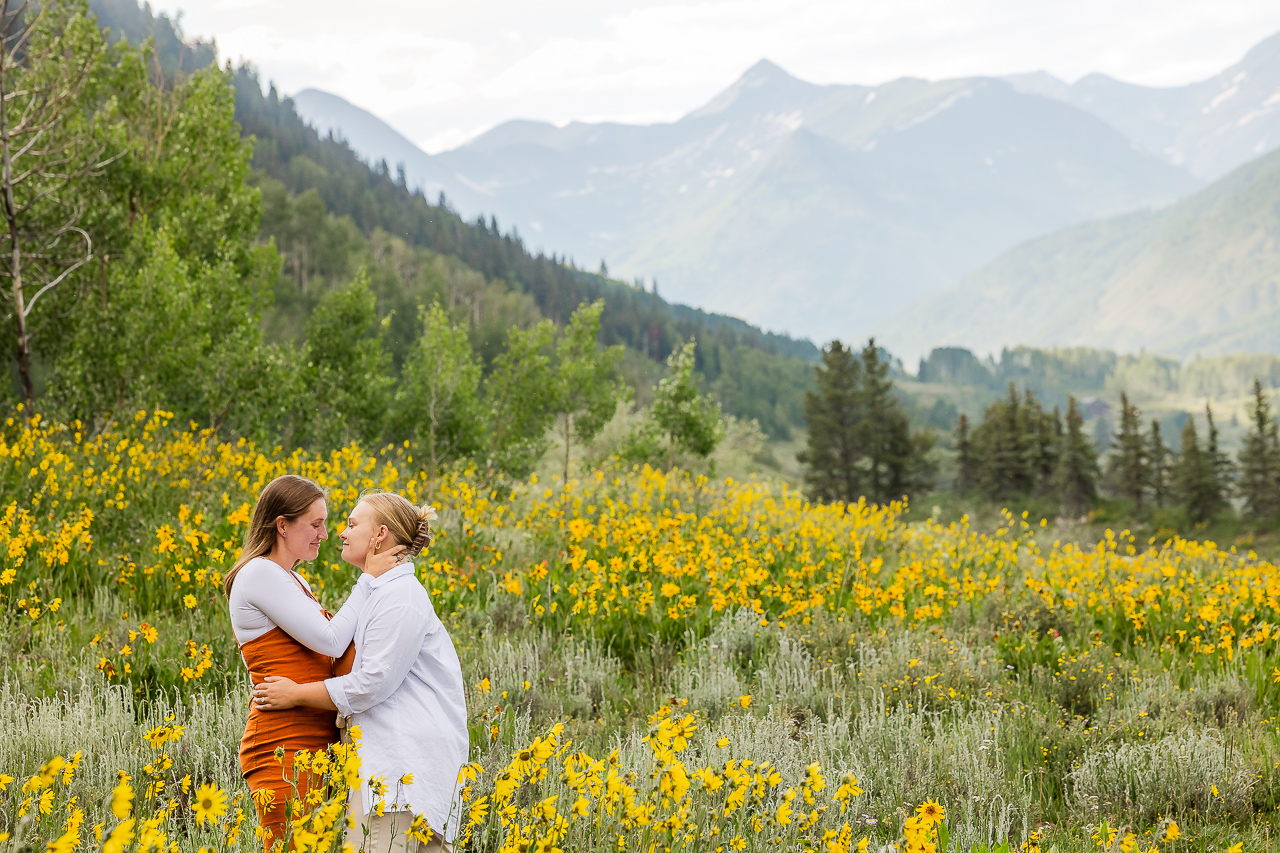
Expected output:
(283, 631)
(404, 691)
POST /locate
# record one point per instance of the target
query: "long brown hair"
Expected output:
(289, 496)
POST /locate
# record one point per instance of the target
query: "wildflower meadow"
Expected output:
(655, 661)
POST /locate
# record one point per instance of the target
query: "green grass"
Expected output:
(1018, 727)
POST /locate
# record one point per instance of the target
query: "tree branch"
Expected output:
(68, 271)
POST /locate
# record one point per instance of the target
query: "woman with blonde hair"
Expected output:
(404, 691)
(283, 631)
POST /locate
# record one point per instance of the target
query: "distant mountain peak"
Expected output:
(319, 95)
(371, 138)
(764, 72)
(765, 79)
(1207, 127)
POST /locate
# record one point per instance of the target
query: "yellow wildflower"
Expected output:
(210, 804)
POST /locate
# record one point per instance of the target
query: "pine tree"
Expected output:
(1195, 481)
(922, 469)
(886, 431)
(1026, 438)
(1040, 442)
(993, 450)
(1259, 461)
(1158, 465)
(966, 461)
(1056, 433)
(1223, 470)
(834, 415)
(1000, 448)
(860, 441)
(1127, 466)
(1015, 447)
(1077, 474)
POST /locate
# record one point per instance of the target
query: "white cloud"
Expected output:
(381, 71)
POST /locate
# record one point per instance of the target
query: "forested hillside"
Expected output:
(331, 215)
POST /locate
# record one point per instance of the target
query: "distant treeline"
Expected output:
(1022, 451)
(1056, 374)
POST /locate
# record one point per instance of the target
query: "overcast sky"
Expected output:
(441, 72)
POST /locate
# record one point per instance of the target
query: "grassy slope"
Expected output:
(1197, 277)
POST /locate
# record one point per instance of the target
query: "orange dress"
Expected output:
(277, 653)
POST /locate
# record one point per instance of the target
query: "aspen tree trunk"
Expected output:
(46, 148)
(15, 245)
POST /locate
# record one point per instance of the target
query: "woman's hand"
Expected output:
(380, 561)
(275, 693)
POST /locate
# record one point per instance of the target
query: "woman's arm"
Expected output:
(277, 693)
(279, 597)
(343, 623)
(389, 646)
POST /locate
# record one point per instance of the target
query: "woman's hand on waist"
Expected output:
(277, 693)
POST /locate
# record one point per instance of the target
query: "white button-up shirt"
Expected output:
(405, 693)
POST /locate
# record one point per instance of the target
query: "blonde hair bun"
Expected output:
(426, 515)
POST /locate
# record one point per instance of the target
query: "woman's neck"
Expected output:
(376, 571)
(281, 559)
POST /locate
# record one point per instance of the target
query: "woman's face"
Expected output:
(304, 534)
(362, 528)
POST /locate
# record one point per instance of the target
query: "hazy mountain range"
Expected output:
(1199, 277)
(826, 210)
(1208, 127)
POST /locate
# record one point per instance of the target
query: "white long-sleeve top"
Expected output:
(405, 693)
(266, 595)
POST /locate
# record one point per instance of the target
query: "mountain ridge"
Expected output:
(1210, 126)
(821, 210)
(645, 198)
(1199, 277)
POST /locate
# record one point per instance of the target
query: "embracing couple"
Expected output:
(384, 663)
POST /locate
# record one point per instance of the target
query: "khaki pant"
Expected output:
(388, 832)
